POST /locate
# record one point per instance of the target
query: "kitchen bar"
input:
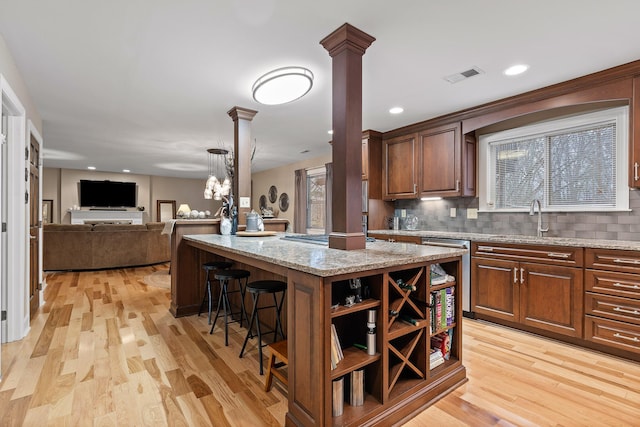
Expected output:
(314, 273)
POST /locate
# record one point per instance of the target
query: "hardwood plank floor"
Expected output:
(104, 351)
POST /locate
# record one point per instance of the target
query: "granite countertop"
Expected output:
(517, 239)
(320, 260)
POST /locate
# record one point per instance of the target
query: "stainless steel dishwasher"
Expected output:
(466, 267)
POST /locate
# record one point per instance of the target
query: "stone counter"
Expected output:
(517, 239)
(320, 260)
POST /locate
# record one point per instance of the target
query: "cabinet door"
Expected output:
(399, 168)
(551, 298)
(495, 288)
(440, 161)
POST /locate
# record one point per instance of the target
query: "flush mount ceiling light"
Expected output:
(282, 85)
(516, 69)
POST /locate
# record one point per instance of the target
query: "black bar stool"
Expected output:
(211, 266)
(226, 276)
(256, 289)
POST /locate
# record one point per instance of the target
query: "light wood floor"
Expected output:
(104, 351)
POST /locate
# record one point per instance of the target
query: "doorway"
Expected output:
(34, 224)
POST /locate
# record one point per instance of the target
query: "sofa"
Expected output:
(100, 246)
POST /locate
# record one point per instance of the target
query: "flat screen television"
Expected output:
(107, 194)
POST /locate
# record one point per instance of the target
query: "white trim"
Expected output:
(17, 212)
(621, 117)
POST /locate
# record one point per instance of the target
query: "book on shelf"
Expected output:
(356, 388)
(442, 305)
(435, 358)
(337, 397)
(336, 350)
(442, 342)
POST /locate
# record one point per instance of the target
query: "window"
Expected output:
(316, 192)
(576, 163)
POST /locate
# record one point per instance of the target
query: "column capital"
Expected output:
(237, 113)
(347, 37)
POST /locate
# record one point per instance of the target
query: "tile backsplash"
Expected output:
(435, 215)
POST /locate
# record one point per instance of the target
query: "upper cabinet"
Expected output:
(447, 162)
(435, 162)
(400, 167)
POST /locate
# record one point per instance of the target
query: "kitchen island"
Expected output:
(400, 377)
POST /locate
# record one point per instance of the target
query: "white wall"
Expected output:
(61, 186)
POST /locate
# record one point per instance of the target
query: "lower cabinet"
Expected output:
(536, 286)
(612, 298)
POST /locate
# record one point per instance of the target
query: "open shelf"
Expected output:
(442, 286)
(351, 414)
(354, 358)
(364, 305)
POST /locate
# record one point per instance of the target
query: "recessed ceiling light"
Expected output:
(282, 85)
(396, 110)
(516, 69)
(126, 170)
(91, 168)
(330, 132)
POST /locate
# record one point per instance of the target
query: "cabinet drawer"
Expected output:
(552, 255)
(621, 335)
(610, 283)
(615, 308)
(613, 259)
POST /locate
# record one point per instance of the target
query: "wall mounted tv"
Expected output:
(107, 194)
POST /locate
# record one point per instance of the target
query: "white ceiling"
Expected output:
(146, 84)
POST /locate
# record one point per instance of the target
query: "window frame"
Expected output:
(486, 174)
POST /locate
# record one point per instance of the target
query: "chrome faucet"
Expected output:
(532, 211)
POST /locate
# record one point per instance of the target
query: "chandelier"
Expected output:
(218, 184)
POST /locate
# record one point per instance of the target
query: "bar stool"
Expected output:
(211, 266)
(226, 276)
(278, 350)
(256, 289)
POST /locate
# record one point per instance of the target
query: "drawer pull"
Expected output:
(515, 274)
(626, 261)
(623, 310)
(634, 339)
(558, 255)
(521, 275)
(485, 248)
(620, 285)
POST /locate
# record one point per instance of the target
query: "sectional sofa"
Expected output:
(100, 246)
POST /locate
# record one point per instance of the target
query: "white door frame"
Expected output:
(17, 213)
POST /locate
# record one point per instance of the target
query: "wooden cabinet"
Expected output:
(376, 209)
(536, 286)
(612, 298)
(441, 164)
(400, 168)
(401, 367)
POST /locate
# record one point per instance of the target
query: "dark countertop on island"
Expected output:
(517, 239)
(320, 260)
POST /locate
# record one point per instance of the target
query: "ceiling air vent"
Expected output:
(455, 78)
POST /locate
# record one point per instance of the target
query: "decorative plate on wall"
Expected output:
(263, 201)
(284, 202)
(273, 194)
